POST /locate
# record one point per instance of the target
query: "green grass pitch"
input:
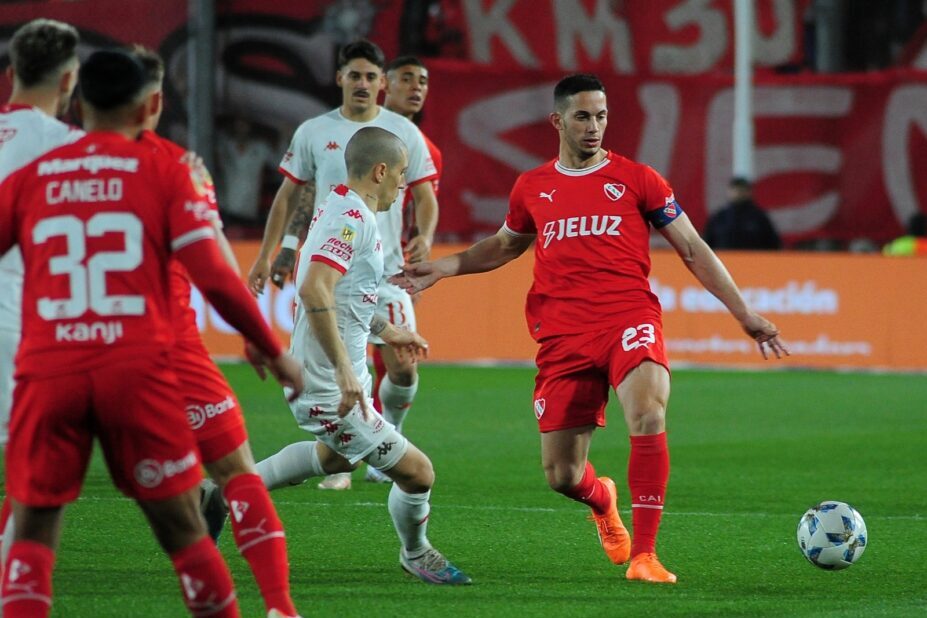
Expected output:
(750, 452)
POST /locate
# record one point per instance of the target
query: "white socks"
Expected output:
(291, 466)
(396, 401)
(410, 517)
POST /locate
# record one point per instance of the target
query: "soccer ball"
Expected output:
(832, 535)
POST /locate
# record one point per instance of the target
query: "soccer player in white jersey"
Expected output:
(43, 70)
(340, 269)
(313, 166)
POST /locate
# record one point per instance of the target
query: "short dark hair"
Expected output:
(369, 147)
(40, 48)
(403, 61)
(151, 61)
(740, 182)
(110, 79)
(361, 48)
(573, 84)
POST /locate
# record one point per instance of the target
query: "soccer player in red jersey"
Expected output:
(97, 222)
(213, 410)
(589, 213)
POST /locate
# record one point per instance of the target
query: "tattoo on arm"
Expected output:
(319, 309)
(378, 324)
(305, 205)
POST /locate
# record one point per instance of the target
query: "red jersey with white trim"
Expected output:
(96, 222)
(592, 251)
(182, 313)
(409, 229)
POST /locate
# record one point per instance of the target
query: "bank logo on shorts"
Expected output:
(539, 405)
(198, 415)
(150, 473)
(638, 337)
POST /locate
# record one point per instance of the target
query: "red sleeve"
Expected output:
(8, 222)
(656, 191)
(225, 291)
(518, 220)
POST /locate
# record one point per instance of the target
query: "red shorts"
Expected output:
(133, 408)
(212, 408)
(576, 371)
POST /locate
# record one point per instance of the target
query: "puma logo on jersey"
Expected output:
(571, 227)
(548, 196)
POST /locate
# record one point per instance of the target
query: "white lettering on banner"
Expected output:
(779, 46)
(905, 110)
(107, 332)
(707, 50)
(661, 105)
(483, 27)
(782, 102)
(93, 190)
(793, 298)
(823, 345)
(576, 27)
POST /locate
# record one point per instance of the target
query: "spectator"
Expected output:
(741, 224)
(243, 155)
(914, 242)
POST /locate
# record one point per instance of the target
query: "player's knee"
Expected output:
(403, 374)
(562, 477)
(649, 419)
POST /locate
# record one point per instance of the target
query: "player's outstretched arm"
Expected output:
(408, 345)
(221, 286)
(280, 212)
(285, 262)
(317, 294)
(488, 254)
(711, 273)
(426, 220)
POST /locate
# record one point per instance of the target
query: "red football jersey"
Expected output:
(592, 251)
(182, 314)
(408, 202)
(97, 221)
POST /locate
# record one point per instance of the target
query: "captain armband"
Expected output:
(661, 217)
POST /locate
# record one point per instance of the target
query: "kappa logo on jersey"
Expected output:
(288, 157)
(378, 246)
(539, 406)
(613, 191)
(238, 509)
(548, 196)
(150, 473)
(355, 214)
(348, 233)
(198, 415)
(6, 135)
(332, 146)
(339, 248)
(572, 227)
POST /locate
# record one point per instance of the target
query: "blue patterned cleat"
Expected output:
(212, 506)
(433, 568)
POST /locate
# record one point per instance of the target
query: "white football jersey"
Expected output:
(26, 133)
(316, 153)
(344, 235)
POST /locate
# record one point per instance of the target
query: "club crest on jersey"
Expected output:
(539, 406)
(613, 191)
(348, 233)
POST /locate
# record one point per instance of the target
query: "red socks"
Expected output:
(591, 492)
(648, 471)
(27, 580)
(205, 580)
(260, 539)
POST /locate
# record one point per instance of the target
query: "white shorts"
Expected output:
(374, 440)
(9, 341)
(395, 305)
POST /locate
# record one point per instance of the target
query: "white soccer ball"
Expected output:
(832, 535)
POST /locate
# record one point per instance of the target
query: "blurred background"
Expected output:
(794, 133)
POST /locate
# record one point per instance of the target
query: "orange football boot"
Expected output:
(646, 567)
(613, 535)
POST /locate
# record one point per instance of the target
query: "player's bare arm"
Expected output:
(281, 210)
(407, 344)
(488, 254)
(426, 219)
(317, 294)
(285, 262)
(711, 273)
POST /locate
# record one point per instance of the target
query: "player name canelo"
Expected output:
(91, 190)
(572, 227)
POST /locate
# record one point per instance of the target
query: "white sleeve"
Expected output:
(421, 167)
(334, 241)
(298, 163)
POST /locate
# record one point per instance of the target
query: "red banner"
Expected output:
(657, 36)
(836, 157)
